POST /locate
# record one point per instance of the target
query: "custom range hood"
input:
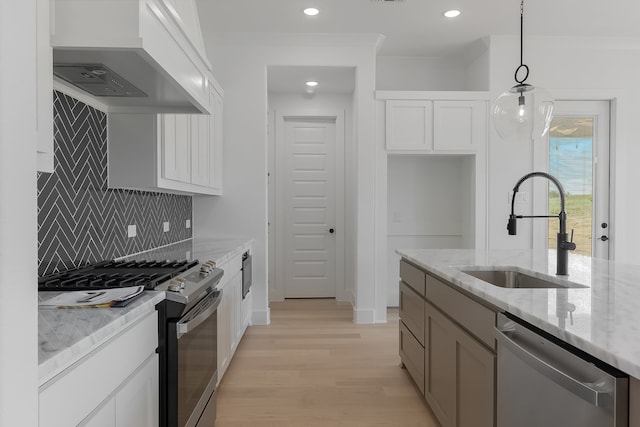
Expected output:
(133, 56)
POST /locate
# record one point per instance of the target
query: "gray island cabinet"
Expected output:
(447, 340)
(448, 347)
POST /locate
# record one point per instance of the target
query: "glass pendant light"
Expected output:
(523, 112)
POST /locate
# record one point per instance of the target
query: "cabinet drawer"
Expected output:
(412, 311)
(412, 356)
(473, 316)
(413, 276)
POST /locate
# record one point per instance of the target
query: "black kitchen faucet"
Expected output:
(564, 246)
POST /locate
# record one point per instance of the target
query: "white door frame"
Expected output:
(275, 234)
(540, 160)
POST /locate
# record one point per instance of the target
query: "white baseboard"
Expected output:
(261, 317)
(364, 316)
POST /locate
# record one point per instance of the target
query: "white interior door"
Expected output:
(308, 208)
(579, 157)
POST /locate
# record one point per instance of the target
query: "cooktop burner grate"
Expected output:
(114, 274)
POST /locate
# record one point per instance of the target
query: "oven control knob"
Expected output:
(177, 284)
(207, 267)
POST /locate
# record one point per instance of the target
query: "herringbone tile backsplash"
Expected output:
(80, 220)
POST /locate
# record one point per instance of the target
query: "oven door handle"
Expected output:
(202, 312)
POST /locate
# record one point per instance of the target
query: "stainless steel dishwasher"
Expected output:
(543, 382)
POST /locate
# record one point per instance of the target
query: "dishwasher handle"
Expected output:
(586, 391)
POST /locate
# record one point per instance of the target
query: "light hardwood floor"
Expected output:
(313, 367)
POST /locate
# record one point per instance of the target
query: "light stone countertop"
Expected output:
(67, 335)
(203, 249)
(606, 320)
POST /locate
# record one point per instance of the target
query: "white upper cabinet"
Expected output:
(434, 121)
(175, 140)
(409, 125)
(200, 149)
(44, 81)
(180, 153)
(459, 125)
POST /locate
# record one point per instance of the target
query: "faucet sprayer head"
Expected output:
(511, 225)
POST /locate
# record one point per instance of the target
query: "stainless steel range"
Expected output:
(189, 345)
(187, 327)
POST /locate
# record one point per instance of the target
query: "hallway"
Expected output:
(313, 367)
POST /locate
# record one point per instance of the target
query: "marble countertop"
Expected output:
(67, 335)
(203, 249)
(606, 319)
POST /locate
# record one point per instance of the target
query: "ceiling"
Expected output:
(417, 28)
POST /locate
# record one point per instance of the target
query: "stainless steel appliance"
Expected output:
(188, 340)
(246, 273)
(187, 325)
(543, 381)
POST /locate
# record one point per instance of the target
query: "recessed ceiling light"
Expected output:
(312, 84)
(311, 11)
(453, 13)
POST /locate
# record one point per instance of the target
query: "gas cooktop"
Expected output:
(115, 274)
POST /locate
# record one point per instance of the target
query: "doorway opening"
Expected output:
(579, 149)
(311, 203)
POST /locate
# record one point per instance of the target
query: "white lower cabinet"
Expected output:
(116, 385)
(135, 404)
(224, 330)
(233, 312)
(137, 401)
(105, 416)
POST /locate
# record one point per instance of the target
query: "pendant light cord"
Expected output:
(521, 31)
(522, 64)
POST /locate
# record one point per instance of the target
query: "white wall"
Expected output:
(240, 62)
(18, 216)
(468, 70)
(318, 104)
(430, 205)
(572, 69)
(477, 70)
(419, 73)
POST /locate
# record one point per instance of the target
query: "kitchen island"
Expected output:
(605, 323)
(597, 312)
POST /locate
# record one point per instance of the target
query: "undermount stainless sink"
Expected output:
(510, 277)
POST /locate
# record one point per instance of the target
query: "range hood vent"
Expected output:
(133, 56)
(97, 79)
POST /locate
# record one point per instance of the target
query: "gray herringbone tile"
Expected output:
(81, 220)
